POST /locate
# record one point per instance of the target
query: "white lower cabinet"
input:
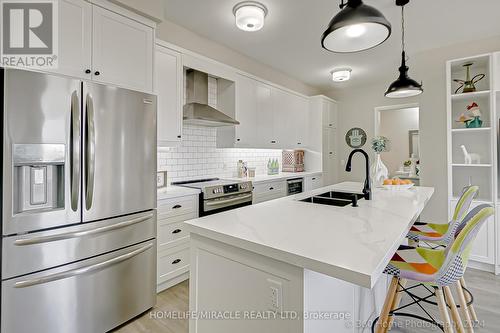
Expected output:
(483, 249)
(266, 191)
(313, 182)
(173, 240)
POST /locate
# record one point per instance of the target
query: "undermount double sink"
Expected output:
(333, 198)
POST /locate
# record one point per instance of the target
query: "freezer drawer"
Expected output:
(33, 252)
(93, 295)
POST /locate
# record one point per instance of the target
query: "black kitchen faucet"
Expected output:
(367, 192)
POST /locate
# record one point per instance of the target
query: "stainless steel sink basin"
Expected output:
(332, 198)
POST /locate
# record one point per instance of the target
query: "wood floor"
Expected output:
(484, 286)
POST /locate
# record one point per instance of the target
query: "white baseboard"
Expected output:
(172, 282)
(482, 266)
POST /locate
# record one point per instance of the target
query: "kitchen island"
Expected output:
(293, 266)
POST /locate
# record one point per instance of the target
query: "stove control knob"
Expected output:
(214, 191)
(243, 186)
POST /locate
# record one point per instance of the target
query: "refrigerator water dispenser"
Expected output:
(38, 177)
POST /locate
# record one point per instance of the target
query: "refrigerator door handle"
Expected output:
(87, 232)
(89, 152)
(82, 270)
(75, 150)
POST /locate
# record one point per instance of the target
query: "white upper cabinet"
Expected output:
(246, 111)
(75, 52)
(329, 114)
(99, 44)
(169, 88)
(265, 129)
(122, 51)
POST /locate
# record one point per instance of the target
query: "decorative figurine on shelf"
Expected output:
(468, 85)
(470, 158)
(472, 117)
(378, 170)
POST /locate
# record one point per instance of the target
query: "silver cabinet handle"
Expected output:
(87, 232)
(90, 153)
(220, 202)
(75, 150)
(82, 270)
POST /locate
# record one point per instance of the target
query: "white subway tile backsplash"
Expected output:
(198, 157)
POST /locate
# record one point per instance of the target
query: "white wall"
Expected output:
(180, 36)
(198, 157)
(394, 125)
(357, 105)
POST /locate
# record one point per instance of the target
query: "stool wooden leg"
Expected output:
(382, 325)
(443, 311)
(397, 299)
(471, 309)
(463, 307)
(454, 310)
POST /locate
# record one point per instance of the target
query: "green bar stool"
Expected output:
(435, 270)
(436, 235)
(443, 234)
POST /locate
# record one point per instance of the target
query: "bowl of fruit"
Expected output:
(397, 184)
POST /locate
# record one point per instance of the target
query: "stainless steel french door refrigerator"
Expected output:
(78, 204)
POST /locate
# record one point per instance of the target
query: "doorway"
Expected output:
(400, 124)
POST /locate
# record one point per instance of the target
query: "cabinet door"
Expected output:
(329, 156)
(265, 118)
(169, 83)
(122, 51)
(300, 121)
(329, 114)
(246, 112)
(75, 48)
(283, 118)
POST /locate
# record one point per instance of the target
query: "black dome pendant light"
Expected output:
(404, 86)
(357, 27)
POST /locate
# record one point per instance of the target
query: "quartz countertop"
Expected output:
(280, 176)
(171, 192)
(353, 244)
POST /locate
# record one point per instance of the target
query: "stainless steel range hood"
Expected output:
(197, 111)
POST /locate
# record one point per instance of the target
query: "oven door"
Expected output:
(212, 206)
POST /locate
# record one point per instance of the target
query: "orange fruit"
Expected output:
(388, 182)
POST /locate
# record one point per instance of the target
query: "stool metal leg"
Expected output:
(454, 310)
(382, 325)
(463, 307)
(471, 309)
(443, 311)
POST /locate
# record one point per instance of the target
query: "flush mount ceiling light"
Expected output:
(341, 74)
(249, 15)
(357, 27)
(404, 86)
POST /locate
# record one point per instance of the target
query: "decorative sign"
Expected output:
(355, 137)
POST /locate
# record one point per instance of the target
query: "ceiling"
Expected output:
(290, 39)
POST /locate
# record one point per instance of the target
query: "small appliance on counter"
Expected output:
(293, 160)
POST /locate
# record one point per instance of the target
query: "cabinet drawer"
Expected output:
(169, 233)
(172, 262)
(177, 206)
(266, 197)
(271, 187)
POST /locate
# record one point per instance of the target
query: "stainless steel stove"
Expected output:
(219, 195)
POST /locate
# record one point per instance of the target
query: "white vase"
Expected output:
(378, 172)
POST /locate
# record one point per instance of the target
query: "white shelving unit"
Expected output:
(483, 141)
